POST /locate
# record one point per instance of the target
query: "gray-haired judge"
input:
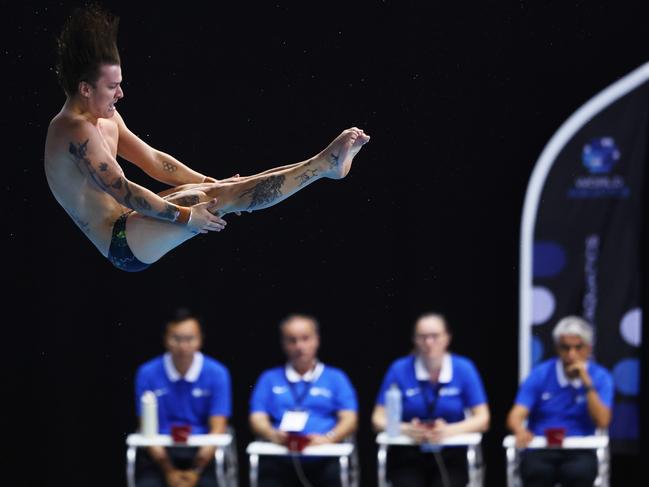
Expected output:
(570, 391)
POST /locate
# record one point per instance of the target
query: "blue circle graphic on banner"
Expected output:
(543, 305)
(549, 259)
(600, 155)
(626, 375)
(631, 327)
(625, 424)
(537, 350)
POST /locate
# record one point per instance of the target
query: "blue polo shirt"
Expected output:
(204, 391)
(554, 400)
(322, 393)
(459, 387)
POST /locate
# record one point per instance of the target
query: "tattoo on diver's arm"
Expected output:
(142, 203)
(169, 167)
(127, 197)
(79, 153)
(120, 183)
(265, 192)
(169, 212)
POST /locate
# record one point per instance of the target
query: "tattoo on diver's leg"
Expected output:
(265, 192)
(333, 162)
(190, 200)
(306, 176)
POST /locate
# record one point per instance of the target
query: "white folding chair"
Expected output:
(472, 441)
(599, 443)
(345, 452)
(225, 456)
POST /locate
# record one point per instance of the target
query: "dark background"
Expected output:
(459, 100)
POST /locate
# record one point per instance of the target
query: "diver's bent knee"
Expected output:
(222, 191)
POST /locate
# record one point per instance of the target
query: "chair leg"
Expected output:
(603, 467)
(512, 467)
(475, 465)
(344, 471)
(354, 469)
(231, 466)
(254, 470)
(381, 458)
(219, 466)
(131, 453)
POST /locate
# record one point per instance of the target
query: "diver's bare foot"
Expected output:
(339, 154)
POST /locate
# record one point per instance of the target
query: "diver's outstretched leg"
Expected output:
(269, 188)
(150, 238)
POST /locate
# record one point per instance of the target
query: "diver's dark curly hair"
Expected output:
(87, 41)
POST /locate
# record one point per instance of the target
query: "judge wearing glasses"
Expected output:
(437, 388)
(571, 392)
(192, 390)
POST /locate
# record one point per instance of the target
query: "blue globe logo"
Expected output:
(600, 155)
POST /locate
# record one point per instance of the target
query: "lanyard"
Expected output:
(430, 404)
(298, 399)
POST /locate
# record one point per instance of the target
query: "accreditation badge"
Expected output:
(294, 421)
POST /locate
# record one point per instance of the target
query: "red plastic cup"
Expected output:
(296, 442)
(180, 433)
(555, 436)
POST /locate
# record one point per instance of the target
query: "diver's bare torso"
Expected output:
(93, 210)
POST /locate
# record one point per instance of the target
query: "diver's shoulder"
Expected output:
(68, 122)
(64, 129)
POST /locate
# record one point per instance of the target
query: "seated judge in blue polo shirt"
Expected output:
(437, 387)
(192, 389)
(305, 397)
(569, 391)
